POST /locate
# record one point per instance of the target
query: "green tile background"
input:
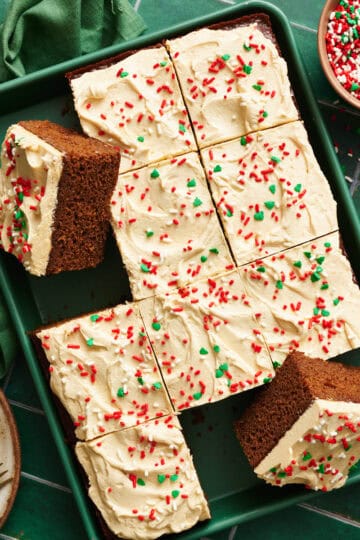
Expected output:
(44, 508)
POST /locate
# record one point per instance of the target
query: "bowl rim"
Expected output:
(329, 6)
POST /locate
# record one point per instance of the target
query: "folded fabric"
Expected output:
(8, 341)
(40, 33)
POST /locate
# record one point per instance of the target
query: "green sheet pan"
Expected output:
(234, 493)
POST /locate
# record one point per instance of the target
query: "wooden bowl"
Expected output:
(329, 6)
(10, 459)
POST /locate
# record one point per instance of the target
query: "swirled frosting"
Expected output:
(207, 341)
(135, 104)
(103, 371)
(319, 450)
(166, 226)
(233, 82)
(269, 191)
(30, 174)
(305, 300)
(143, 480)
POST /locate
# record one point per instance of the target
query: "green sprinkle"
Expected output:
(149, 233)
(156, 326)
(124, 74)
(247, 69)
(94, 318)
(203, 351)
(191, 183)
(157, 385)
(142, 334)
(154, 173)
(315, 276)
(217, 168)
(19, 214)
(203, 258)
(298, 264)
(219, 373)
(354, 87)
(161, 478)
(327, 244)
(140, 380)
(20, 196)
(279, 284)
(90, 342)
(338, 14)
(197, 202)
(224, 367)
(257, 87)
(267, 380)
(214, 250)
(321, 468)
(140, 482)
(120, 392)
(348, 448)
(297, 188)
(261, 269)
(175, 493)
(308, 254)
(272, 188)
(163, 63)
(265, 114)
(144, 268)
(225, 57)
(319, 269)
(197, 395)
(325, 312)
(269, 204)
(329, 458)
(174, 477)
(246, 47)
(276, 364)
(320, 260)
(259, 216)
(273, 469)
(243, 141)
(182, 128)
(229, 213)
(281, 474)
(316, 311)
(140, 138)
(275, 159)
(307, 456)
(216, 348)
(324, 286)
(336, 301)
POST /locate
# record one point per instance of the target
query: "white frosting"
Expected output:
(104, 372)
(318, 450)
(30, 174)
(165, 226)
(206, 341)
(313, 308)
(269, 191)
(135, 104)
(143, 480)
(218, 70)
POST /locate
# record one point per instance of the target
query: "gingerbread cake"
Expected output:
(166, 226)
(269, 191)
(304, 427)
(103, 371)
(143, 480)
(55, 192)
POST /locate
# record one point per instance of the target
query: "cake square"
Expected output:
(133, 101)
(103, 371)
(143, 480)
(166, 226)
(55, 194)
(206, 341)
(304, 427)
(306, 299)
(269, 191)
(233, 79)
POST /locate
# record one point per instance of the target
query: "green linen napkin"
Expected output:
(8, 341)
(40, 33)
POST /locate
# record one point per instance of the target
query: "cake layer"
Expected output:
(166, 226)
(206, 340)
(269, 191)
(233, 81)
(135, 103)
(305, 299)
(103, 371)
(55, 192)
(143, 480)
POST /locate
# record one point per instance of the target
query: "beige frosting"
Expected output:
(318, 450)
(103, 371)
(143, 480)
(30, 174)
(135, 104)
(206, 341)
(269, 191)
(306, 300)
(218, 70)
(166, 226)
